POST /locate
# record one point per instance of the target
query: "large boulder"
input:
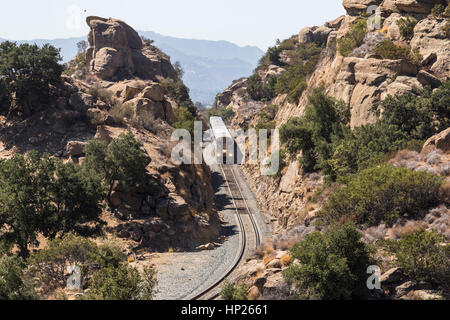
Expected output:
(75, 148)
(289, 178)
(440, 141)
(117, 51)
(415, 6)
(81, 101)
(147, 108)
(432, 44)
(154, 92)
(178, 208)
(357, 7)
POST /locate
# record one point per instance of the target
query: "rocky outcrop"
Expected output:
(439, 141)
(123, 91)
(356, 7)
(117, 51)
(362, 80)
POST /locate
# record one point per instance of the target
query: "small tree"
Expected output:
(122, 283)
(82, 46)
(406, 26)
(422, 257)
(42, 195)
(14, 284)
(178, 69)
(332, 265)
(49, 264)
(123, 161)
(231, 292)
(29, 72)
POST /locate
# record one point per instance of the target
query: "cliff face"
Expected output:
(120, 89)
(117, 51)
(361, 79)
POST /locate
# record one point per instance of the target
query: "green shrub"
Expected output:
(122, 283)
(406, 26)
(14, 283)
(382, 193)
(388, 50)
(78, 63)
(41, 195)
(422, 257)
(269, 112)
(420, 117)
(49, 264)
(231, 292)
(293, 81)
(364, 147)
(28, 72)
(332, 265)
(305, 52)
(178, 91)
(354, 38)
(260, 90)
(123, 160)
(225, 113)
(314, 133)
(185, 120)
(272, 56)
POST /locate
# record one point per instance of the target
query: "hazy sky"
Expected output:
(244, 22)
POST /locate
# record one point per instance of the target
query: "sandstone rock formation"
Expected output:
(117, 51)
(362, 80)
(122, 92)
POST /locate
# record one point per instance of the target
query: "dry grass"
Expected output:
(374, 234)
(268, 259)
(285, 260)
(102, 94)
(269, 249)
(399, 231)
(120, 112)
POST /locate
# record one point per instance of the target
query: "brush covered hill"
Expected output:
(358, 106)
(120, 84)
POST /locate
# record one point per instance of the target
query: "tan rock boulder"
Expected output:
(154, 92)
(336, 23)
(439, 141)
(402, 85)
(144, 107)
(107, 62)
(306, 35)
(393, 275)
(75, 148)
(362, 103)
(427, 79)
(416, 6)
(117, 51)
(288, 180)
(431, 42)
(356, 7)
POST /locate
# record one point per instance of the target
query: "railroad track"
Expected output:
(250, 234)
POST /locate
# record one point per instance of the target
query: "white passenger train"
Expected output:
(224, 143)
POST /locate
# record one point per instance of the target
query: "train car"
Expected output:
(224, 143)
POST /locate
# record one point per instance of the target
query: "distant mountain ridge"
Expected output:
(209, 66)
